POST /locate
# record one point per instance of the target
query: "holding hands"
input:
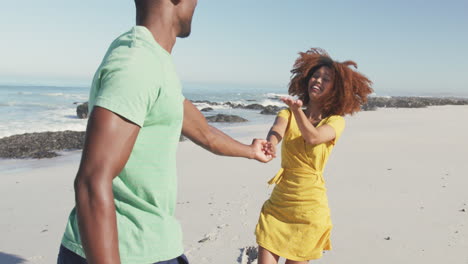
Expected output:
(263, 150)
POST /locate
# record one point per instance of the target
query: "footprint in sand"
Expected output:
(249, 255)
(243, 209)
(211, 236)
(34, 258)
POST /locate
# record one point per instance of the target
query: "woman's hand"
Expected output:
(293, 104)
(262, 150)
(269, 149)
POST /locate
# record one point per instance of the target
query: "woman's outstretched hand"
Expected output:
(269, 149)
(293, 104)
(264, 151)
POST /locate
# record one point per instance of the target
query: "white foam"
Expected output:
(276, 95)
(25, 93)
(31, 104)
(67, 95)
(50, 120)
(267, 102)
(215, 107)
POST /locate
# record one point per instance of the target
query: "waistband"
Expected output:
(297, 171)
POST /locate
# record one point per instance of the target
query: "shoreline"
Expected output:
(48, 144)
(396, 186)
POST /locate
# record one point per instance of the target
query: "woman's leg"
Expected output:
(288, 261)
(266, 257)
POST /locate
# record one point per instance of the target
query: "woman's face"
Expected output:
(320, 82)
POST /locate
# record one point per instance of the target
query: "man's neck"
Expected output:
(160, 25)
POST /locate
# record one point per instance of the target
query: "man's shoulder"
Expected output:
(124, 52)
(135, 47)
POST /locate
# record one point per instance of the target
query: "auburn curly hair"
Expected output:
(350, 88)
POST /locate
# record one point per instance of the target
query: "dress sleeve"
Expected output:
(285, 113)
(338, 123)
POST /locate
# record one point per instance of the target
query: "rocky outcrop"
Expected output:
(271, 110)
(40, 145)
(82, 110)
(410, 102)
(254, 107)
(43, 144)
(372, 104)
(226, 118)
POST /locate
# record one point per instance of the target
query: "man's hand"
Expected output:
(293, 104)
(269, 149)
(263, 150)
(199, 131)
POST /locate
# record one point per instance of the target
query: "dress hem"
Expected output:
(291, 257)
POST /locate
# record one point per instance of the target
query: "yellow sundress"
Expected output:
(295, 222)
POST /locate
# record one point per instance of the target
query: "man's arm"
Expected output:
(109, 142)
(197, 129)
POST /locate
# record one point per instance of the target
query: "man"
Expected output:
(126, 184)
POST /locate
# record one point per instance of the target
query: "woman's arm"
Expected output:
(311, 134)
(276, 133)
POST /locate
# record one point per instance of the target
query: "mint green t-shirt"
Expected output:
(137, 80)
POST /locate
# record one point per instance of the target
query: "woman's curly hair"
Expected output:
(350, 88)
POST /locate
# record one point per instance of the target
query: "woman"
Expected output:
(295, 222)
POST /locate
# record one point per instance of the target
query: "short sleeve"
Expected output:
(285, 113)
(130, 86)
(338, 123)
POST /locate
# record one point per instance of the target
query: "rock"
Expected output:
(271, 110)
(207, 109)
(82, 110)
(410, 102)
(226, 118)
(368, 107)
(42, 145)
(233, 105)
(387, 238)
(205, 102)
(254, 107)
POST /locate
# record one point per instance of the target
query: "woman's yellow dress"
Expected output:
(295, 222)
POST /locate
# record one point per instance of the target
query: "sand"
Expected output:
(397, 185)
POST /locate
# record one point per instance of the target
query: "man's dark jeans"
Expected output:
(67, 256)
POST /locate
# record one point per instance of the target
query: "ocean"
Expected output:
(27, 109)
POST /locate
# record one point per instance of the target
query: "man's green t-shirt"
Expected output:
(137, 80)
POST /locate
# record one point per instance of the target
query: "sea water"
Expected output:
(27, 109)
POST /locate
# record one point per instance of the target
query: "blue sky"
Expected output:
(405, 47)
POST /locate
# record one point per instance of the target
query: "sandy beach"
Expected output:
(397, 185)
